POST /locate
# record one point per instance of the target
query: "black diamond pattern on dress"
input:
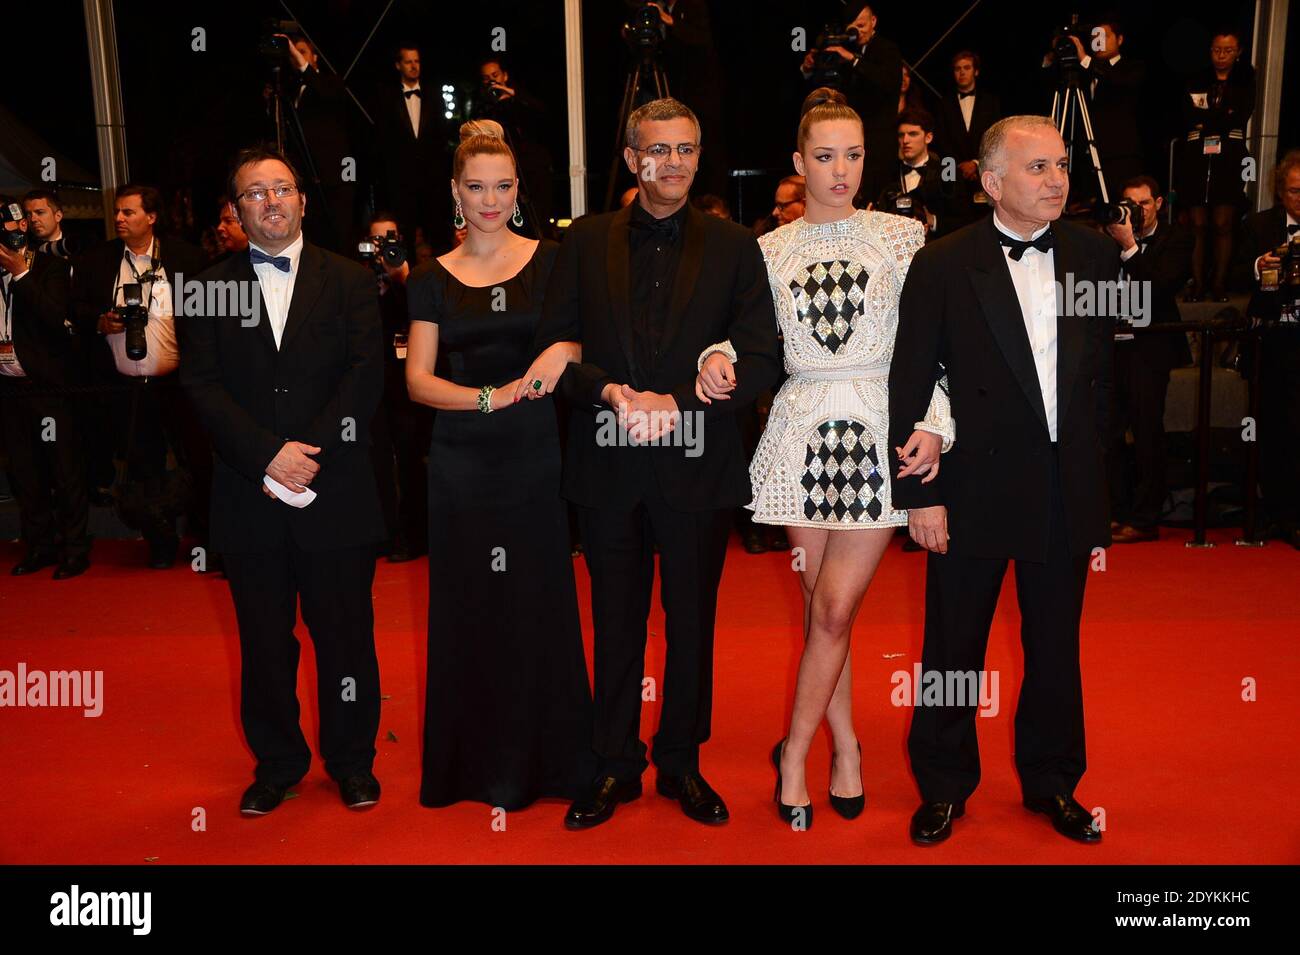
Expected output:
(841, 475)
(828, 297)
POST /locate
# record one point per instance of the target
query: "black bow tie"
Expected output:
(257, 256)
(1018, 246)
(961, 95)
(666, 227)
(410, 93)
(1292, 228)
(905, 168)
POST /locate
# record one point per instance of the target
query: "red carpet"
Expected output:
(1186, 771)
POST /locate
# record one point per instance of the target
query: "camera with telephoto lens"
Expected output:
(272, 45)
(15, 240)
(904, 204)
(1126, 210)
(1284, 279)
(828, 66)
(134, 317)
(644, 27)
(388, 251)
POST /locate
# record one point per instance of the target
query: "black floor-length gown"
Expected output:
(508, 709)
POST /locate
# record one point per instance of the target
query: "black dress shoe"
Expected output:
(932, 823)
(261, 798)
(71, 567)
(696, 797)
(33, 562)
(599, 803)
(777, 539)
(788, 813)
(1128, 534)
(1068, 817)
(850, 807)
(753, 541)
(360, 791)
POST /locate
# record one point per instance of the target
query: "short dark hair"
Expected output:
(1227, 31)
(150, 198)
(498, 60)
(397, 51)
(1137, 182)
(382, 215)
(712, 204)
(49, 195)
(965, 55)
(1111, 20)
(915, 116)
(254, 154)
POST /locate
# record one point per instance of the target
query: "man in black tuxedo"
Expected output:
(1113, 84)
(645, 290)
(962, 119)
(288, 395)
(875, 79)
(1159, 257)
(1026, 479)
(1279, 372)
(414, 164)
(918, 187)
(143, 410)
(40, 426)
(524, 118)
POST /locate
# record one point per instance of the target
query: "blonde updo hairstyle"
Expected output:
(820, 105)
(480, 137)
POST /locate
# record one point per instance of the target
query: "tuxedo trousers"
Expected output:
(619, 545)
(961, 595)
(334, 588)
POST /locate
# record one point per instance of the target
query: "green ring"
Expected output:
(537, 384)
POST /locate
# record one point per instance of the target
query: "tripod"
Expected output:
(1068, 105)
(290, 129)
(646, 72)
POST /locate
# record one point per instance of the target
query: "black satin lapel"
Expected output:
(307, 287)
(246, 274)
(1071, 330)
(688, 272)
(616, 268)
(1001, 307)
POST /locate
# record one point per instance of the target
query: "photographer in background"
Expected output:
(44, 214)
(231, 238)
(1153, 252)
(1267, 234)
(918, 189)
(872, 80)
(123, 291)
(41, 437)
(402, 427)
(523, 117)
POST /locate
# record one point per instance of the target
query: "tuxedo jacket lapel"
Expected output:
(616, 268)
(245, 273)
(1071, 330)
(306, 289)
(996, 294)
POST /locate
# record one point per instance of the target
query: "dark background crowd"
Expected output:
(1170, 95)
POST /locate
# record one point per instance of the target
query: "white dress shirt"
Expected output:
(1034, 277)
(967, 106)
(9, 364)
(277, 286)
(412, 108)
(160, 330)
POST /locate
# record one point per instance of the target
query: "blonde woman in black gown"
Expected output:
(508, 707)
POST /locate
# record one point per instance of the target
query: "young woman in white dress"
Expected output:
(822, 464)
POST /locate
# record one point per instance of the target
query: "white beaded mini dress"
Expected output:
(823, 459)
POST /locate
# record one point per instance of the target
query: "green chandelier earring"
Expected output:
(458, 220)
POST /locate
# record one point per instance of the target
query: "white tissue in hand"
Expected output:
(292, 498)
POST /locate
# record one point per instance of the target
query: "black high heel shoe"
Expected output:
(850, 807)
(788, 814)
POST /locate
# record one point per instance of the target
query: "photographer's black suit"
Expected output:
(937, 197)
(321, 386)
(329, 124)
(1114, 111)
(52, 524)
(873, 89)
(1011, 493)
(1279, 376)
(1142, 367)
(633, 498)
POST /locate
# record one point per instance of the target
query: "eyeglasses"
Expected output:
(258, 194)
(663, 150)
